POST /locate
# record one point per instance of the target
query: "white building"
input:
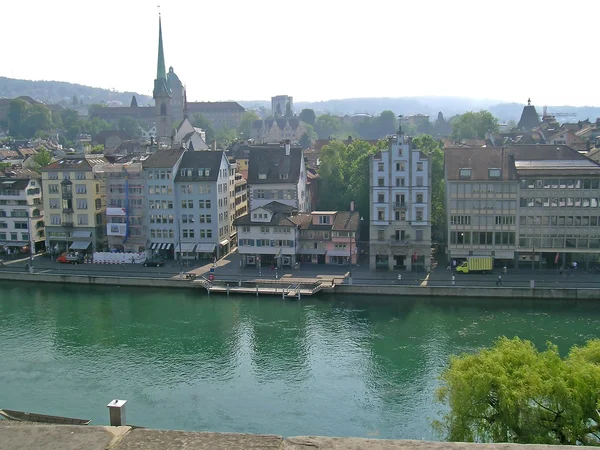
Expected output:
(21, 210)
(268, 235)
(400, 205)
(277, 173)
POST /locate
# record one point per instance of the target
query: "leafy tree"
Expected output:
(511, 392)
(308, 116)
(97, 149)
(16, 116)
(344, 172)
(473, 125)
(433, 148)
(288, 110)
(246, 123)
(199, 121)
(41, 159)
(74, 101)
(328, 126)
(225, 136)
(130, 126)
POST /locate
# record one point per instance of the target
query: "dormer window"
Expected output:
(283, 176)
(189, 172)
(464, 174)
(324, 220)
(262, 176)
(207, 172)
(182, 172)
(494, 173)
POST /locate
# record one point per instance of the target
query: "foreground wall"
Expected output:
(61, 437)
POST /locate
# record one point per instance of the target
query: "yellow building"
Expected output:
(75, 204)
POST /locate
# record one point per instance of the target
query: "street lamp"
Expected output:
(31, 242)
(180, 260)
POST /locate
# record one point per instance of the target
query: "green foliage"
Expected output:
(511, 392)
(225, 136)
(288, 110)
(473, 125)
(24, 120)
(199, 121)
(308, 116)
(41, 159)
(246, 123)
(130, 126)
(97, 149)
(433, 148)
(344, 172)
(328, 126)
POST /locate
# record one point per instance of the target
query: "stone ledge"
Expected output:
(65, 437)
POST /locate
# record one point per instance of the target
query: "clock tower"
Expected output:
(162, 96)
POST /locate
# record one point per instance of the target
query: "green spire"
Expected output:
(161, 73)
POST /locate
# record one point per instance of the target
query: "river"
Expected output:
(364, 367)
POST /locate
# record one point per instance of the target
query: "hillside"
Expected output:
(60, 92)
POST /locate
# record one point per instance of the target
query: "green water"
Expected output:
(325, 366)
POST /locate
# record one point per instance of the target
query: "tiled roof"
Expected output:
(13, 183)
(75, 163)
(196, 160)
(104, 135)
(163, 159)
(267, 163)
(282, 216)
(211, 107)
(346, 220)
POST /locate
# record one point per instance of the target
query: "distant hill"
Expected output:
(449, 106)
(60, 92)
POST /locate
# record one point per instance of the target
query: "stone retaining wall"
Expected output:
(61, 437)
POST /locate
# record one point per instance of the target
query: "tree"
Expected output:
(41, 159)
(130, 126)
(97, 150)
(288, 110)
(199, 121)
(328, 126)
(433, 149)
(308, 116)
(225, 136)
(16, 115)
(246, 123)
(74, 101)
(473, 125)
(511, 392)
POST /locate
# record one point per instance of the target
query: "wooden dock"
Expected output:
(285, 287)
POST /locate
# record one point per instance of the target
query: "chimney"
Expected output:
(352, 206)
(213, 145)
(287, 147)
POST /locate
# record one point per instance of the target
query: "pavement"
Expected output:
(229, 269)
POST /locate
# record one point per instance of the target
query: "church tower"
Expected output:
(162, 96)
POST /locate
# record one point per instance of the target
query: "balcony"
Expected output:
(399, 242)
(67, 210)
(400, 205)
(68, 224)
(67, 195)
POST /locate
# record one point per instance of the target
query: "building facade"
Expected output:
(21, 211)
(125, 204)
(282, 105)
(400, 204)
(74, 204)
(205, 204)
(278, 173)
(276, 130)
(268, 236)
(531, 205)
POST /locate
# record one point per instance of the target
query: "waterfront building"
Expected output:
(205, 205)
(268, 235)
(277, 173)
(532, 205)
(241, 196)
(328, 237)
(125, 204)
(400, 205)
(74, 204)
(159, 221)
(21, 210)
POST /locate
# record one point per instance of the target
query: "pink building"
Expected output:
(328, 237)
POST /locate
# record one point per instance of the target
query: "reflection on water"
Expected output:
(329, 366)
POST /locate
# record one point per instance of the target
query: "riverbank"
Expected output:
(385, 288)
(56, 437)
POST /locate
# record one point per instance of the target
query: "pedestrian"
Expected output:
(453, 280)
(574, 265)
(399, 278)
(454, 264)
(499, 281)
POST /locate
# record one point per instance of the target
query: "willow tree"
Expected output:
(511, 392)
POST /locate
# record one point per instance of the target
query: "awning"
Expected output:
(205, 248)
(16, 244)
(162, 247)
(168, 246)
(224, 242)
(82, 234)
(312, 251)
(115, 211)
(186, 247)
(339, 253)
(154, 246)
(80, 245)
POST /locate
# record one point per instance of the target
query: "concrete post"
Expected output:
(116, 410)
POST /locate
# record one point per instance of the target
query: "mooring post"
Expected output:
(228, 289)
(116, 410)
(257, 290)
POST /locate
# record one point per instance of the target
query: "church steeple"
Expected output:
(161, 87)
(162, 96)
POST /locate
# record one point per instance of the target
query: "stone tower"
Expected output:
(162, 96)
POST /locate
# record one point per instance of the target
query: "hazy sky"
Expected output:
(314, 50)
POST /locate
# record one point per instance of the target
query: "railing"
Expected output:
(67, 224)
(67, 195)
(399, 205)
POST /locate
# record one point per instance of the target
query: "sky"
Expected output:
(313, 49)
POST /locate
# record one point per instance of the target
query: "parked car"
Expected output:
(70, 258)
(154, 262)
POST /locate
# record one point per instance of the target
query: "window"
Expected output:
(381, 182)
(324, 220)
(419, 198)
(80, 175)
(53, 175)
(187, 204)
(419, 181)
(260, 193)
(82, 219)
(419, 214)
(400, 166)
(418, 235)
(53, 203)
(13, 237)
(381, 197)
(82, 203)
(419, 167)
(20, 225)
(400, 182)
(380, 214)
(80, 189)
(464, 174)
(380, 235)
(380, 167)
(265, 229)
(494, 173)
(283, 176)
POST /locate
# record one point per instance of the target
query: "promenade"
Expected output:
(229, 269)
